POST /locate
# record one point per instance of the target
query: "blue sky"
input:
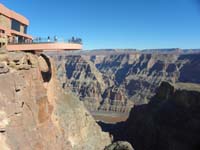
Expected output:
(115, 23)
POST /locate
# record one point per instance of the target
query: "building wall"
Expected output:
(13, 27)
(23, 29)
(12, 24)
(5, 21)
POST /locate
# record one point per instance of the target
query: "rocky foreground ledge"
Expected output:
(35, 114)
(170, 121)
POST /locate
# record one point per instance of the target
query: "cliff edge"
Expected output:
(36, 114)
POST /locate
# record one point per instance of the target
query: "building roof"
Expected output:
(12, 14)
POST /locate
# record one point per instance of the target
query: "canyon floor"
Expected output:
(109, 117)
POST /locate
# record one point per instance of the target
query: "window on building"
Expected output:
(15, 25)
(25, 29)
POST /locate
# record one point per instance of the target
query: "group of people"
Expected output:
(55, 39)
(49, 39)
(75, 40)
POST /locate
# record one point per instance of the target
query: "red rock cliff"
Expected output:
(35, 114)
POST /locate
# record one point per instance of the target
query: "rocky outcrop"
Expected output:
(35, 113)
(114, 81)
(170, 121)
(120, 145)
(3, 68)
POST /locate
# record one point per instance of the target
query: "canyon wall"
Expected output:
(35, 113)
(114, 81)
(170, 121)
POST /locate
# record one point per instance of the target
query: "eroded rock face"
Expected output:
(116, 81)
(3, 68)
(169, 122)
(36, 114)
(120, 145)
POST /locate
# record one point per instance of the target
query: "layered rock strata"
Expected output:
(114, 82)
